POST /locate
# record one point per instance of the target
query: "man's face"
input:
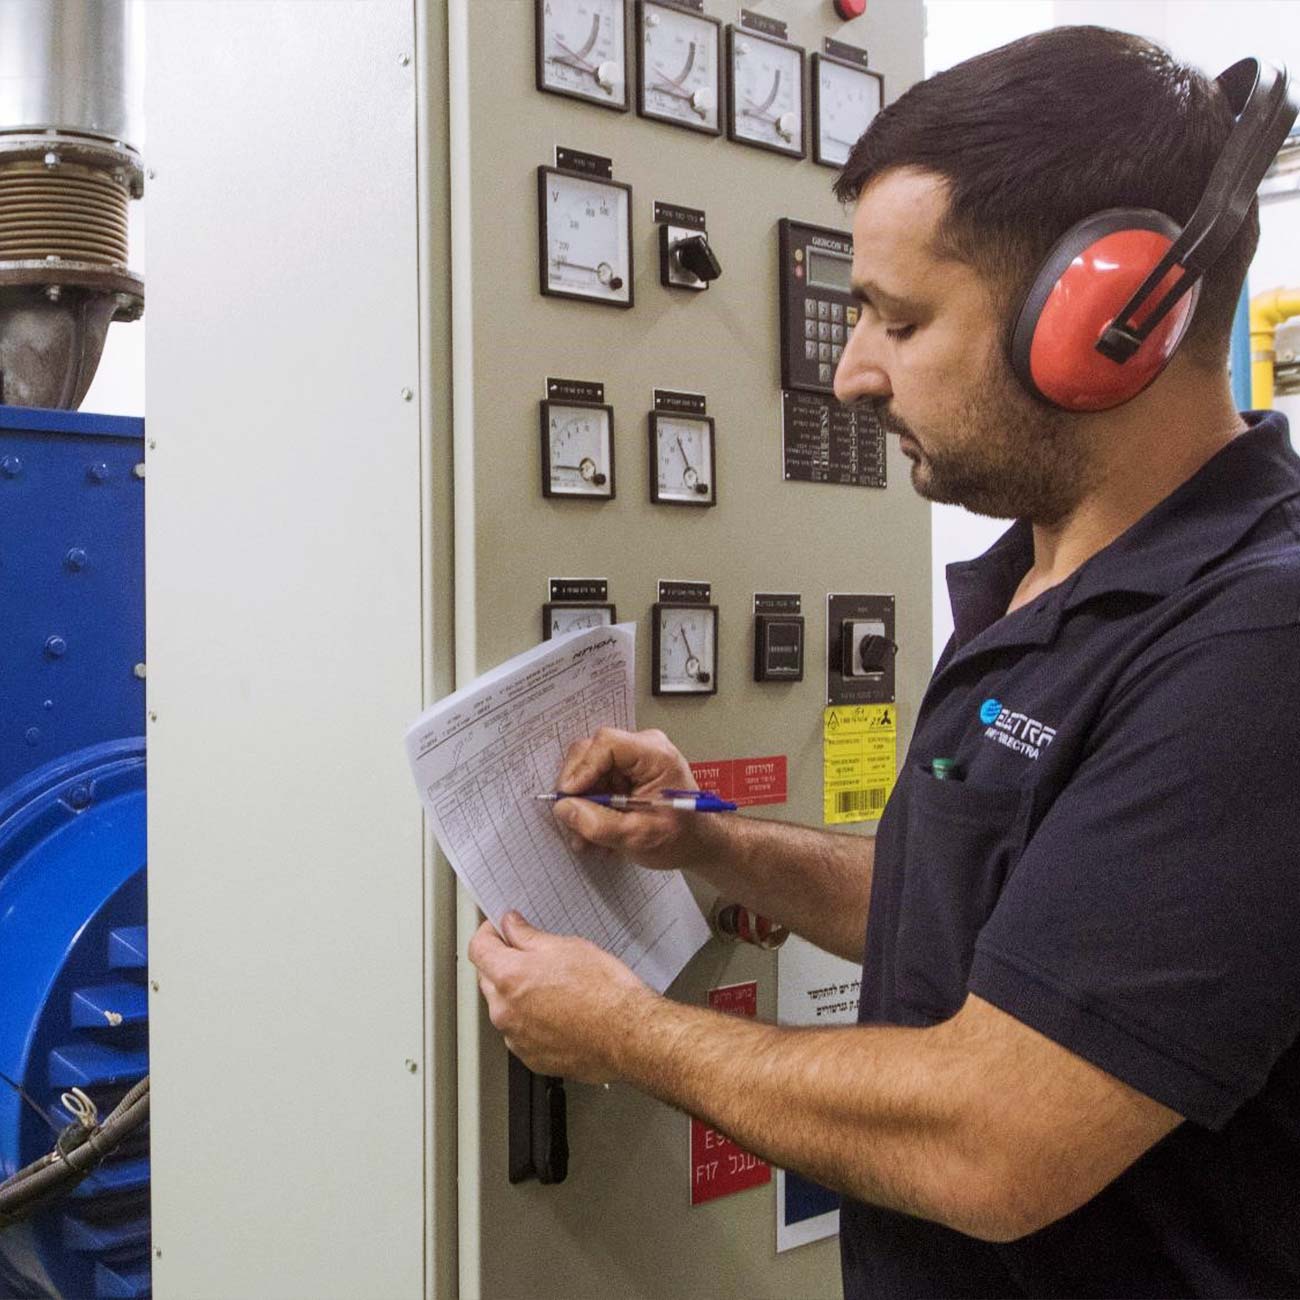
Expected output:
(928, 355)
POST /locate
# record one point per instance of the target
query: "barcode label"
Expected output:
(868, 801)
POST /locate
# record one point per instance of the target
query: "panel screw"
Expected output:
(153, 717)
(153, 984)
(407, 394)
(411, 1066)
(56, 647)
(404, 60)
(51, 159)
(157, 1250)
(98, 473)
(11, 467)
(153, 444)
(75, 559)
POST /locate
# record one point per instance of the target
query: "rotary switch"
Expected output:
(686, 259)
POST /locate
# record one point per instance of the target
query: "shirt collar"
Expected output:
(1198, 522)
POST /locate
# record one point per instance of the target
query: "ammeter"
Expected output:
(585, 237)
(577, 450)
(558, 619)
(682, 460)
(685, 650)
(582, 50)
(765, 92)
(845, 97)
(680, 71)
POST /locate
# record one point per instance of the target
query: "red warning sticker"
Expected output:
(718, 1166)
(745, 781)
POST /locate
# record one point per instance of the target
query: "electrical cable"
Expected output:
(82, 1146)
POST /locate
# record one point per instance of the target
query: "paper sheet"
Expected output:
(480, 755)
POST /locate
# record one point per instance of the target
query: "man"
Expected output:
(1077, 1070)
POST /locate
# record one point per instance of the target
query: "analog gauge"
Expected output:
(765, 96)
(586, 237)
(577, 450)
(582, 50)
(845, 99)
(559, 619)
(682, 460)
(680, 68)
(685, 650)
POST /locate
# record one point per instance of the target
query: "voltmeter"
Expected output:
(577, 449)
(818, 311)
(680, 68)
(585, 237)
(582, 50)
(846, 95)
(685, 650)
(765, 92)
(683, 462)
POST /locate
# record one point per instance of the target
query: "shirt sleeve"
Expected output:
(1152, 923)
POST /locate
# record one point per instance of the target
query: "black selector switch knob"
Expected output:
(694, 255)
(875, 652)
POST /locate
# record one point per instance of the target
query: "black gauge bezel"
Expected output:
(656, 683)
(641, 109)
(539, 46)
(552, 605)
(543, 239)
(732, 32)
(549, 490)
(701, 502)
(816, 86)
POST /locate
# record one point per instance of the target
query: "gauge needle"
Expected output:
(581, 55)
(685, 457)
(760, 110)
(689, 652)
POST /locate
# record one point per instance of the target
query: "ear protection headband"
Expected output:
(1114, 297)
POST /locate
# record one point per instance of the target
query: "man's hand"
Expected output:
(562, 1004)
(640, 763)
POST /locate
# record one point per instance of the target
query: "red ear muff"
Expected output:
(1083, 284)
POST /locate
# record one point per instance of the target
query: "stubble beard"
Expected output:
(1005, 455)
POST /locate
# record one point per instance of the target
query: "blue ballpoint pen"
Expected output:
(682, 800)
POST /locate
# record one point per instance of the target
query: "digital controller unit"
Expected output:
(818, 311)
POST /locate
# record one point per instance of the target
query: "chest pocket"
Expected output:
(963, 841)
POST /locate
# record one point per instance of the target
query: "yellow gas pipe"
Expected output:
(1267, 312)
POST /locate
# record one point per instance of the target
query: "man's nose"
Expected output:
(860, 373)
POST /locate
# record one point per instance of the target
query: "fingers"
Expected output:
(643, 758)
(518, 933)
(592, 823)
(487, 951)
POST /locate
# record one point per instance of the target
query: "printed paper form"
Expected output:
(480, 755)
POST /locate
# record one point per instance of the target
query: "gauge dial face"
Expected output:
(683, 460)
(686, 650)
(559, 619)
(586, 231)
(766, 92)
(679, 78)
(845, 99)
(582, 50)
(577, 450)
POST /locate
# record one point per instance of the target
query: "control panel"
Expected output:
(818, 310)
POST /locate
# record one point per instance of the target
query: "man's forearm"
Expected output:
(876, 1113)
(815, 882)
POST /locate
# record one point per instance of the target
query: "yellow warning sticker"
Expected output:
(859, 761)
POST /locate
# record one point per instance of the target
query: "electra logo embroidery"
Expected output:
(1017, 731)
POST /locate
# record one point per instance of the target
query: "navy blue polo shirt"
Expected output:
(1119, 868)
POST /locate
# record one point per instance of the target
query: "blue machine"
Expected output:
(73, 951)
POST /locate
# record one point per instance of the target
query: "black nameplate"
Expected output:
(846, 53)
(763, 24)
(587, 164)
(824, 442)
(772, 602)
(683, 593)
(573, 590)
(673, 214)
(574, 390)
(691, 6)
(680, 403)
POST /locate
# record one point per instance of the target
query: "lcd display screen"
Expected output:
(829, 270)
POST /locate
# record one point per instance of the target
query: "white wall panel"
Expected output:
(284, 605)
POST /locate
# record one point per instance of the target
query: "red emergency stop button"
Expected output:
(848, 9)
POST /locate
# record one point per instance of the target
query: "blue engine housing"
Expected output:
(73, 948)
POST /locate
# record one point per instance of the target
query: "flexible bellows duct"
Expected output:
(67, 174)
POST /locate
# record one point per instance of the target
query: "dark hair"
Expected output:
(1036, 135)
